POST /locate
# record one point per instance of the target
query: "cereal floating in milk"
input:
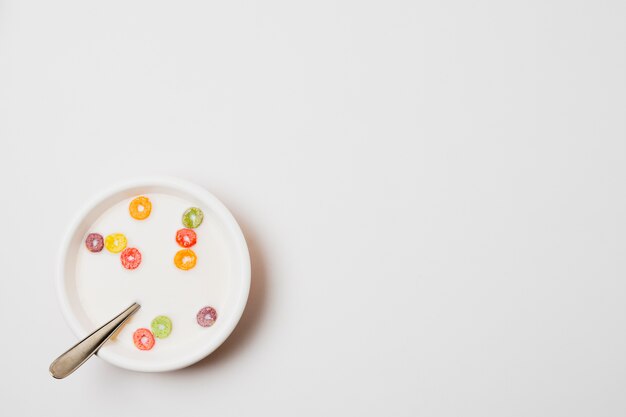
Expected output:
(143, 339)
(94, 242)
(206, 316)
(115, 243)
(161, 326)
(185, 259)
(131, 258)
(186, 238)
(140, 208)
(192, 217)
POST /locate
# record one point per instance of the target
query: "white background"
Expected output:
(433, 195)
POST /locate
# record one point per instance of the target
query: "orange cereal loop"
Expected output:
(185, 259)
(140, 208)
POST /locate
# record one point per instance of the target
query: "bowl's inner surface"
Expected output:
(97, 287)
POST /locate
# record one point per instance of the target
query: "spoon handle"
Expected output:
(83, 350)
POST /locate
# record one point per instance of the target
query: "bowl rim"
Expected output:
(224, 216)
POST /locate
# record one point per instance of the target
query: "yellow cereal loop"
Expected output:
(140, 208)
(115, 242)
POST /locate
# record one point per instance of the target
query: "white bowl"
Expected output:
(235, 274)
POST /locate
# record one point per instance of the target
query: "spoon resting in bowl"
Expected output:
(78, 354)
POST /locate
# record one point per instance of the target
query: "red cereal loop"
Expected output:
(131, 258)
(143, 339)
(186, 238)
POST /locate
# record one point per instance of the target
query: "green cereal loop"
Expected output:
(192, 217)
(161, 326)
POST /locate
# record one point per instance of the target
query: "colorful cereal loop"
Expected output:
(186, 238)
(143, 339)
(185, 259)
(161, 326)
(207, 316)
(192, 217)
(94, 242)
(115, 243)
(130, 258)
(140, 208)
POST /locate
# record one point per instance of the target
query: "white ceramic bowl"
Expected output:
(236, 275)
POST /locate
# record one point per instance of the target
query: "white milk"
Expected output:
(105, 288)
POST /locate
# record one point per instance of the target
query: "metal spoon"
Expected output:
(83, 350)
